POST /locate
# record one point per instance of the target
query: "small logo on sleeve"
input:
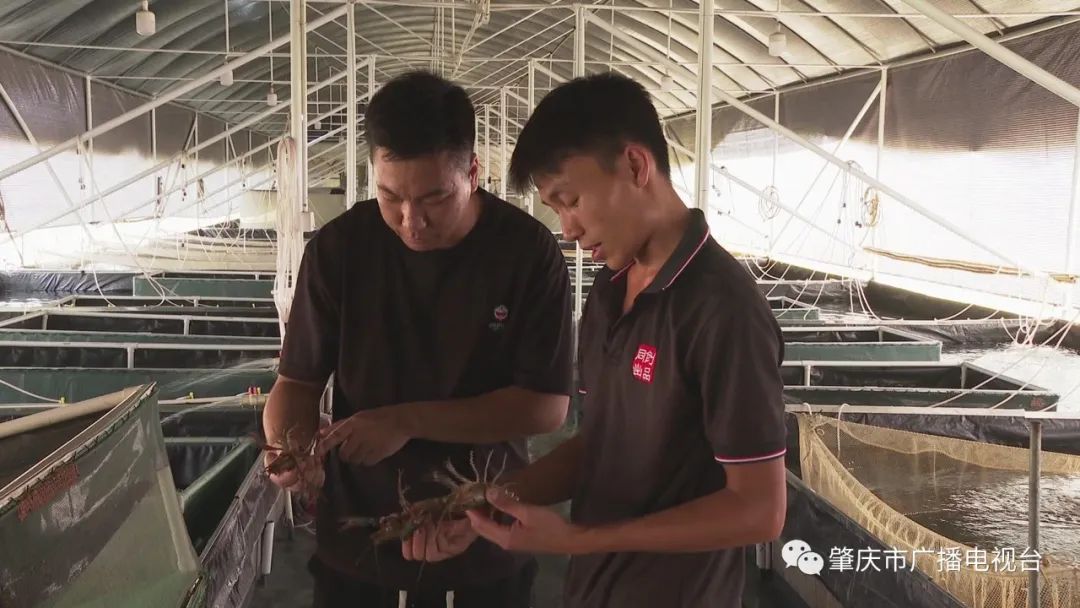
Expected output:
(644, 363)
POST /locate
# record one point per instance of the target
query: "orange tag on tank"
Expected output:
(45, 492)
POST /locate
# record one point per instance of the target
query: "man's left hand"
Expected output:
(367, 437)
(535, 529)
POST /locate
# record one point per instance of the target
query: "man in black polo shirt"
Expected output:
(678, 464)
(443, 314)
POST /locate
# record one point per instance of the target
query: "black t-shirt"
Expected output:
(395, 326)
(685, 383)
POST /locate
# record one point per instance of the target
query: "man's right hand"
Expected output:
(306, 477)
(435, 543)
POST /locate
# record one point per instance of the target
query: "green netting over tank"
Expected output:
(223, 288)
(75, 384)
(97, 522)
(956, 509)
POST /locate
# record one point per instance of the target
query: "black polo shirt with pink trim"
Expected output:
(685, 383)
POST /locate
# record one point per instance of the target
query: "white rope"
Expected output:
(768, 203)
(290, 230)
(26, 392)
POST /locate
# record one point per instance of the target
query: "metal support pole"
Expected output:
(579, 41)
(371, 190)
(298, 95)
(487, 146)
(704, 106)
(1073, 224)
(776, 137)
(1034, 504)
(883, 89)
(165, 98)
(502, 144)
(579, 254)
(882, 86)
(89, 119)
(775, 161)
(546, 72)
(530, 201)
(531, 95)
(89, 128)
(153, 134)
(996, 50)
(350, 112)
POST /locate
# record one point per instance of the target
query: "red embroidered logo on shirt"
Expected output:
(644, 362)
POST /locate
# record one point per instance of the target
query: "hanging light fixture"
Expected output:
(271, 97)
(777, 42)
(318, 108)
(145, 22)
(667, 83)
(226, 79)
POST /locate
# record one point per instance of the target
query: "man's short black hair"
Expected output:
(596, 115)
(419, 113)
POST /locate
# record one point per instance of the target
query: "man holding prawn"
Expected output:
(679, 462)
(443, 314)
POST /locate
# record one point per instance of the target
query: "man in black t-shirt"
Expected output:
(678, 465)
(443, 314)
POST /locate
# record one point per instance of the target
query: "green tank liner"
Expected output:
(208, 478)
(137, 354)
(193, 311)
(857, 343)
(908, 384)
(105, 321)
(79, 301)
(220, 287)
(58, 335)
(789, 309)
(806, 290)
(215, 274)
